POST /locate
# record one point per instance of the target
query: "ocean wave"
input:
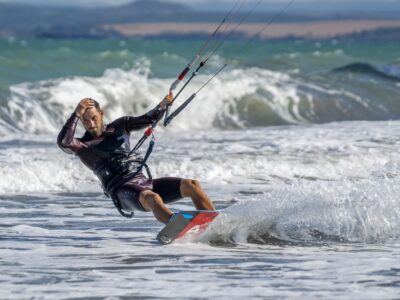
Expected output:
(388, 72)
(313, 214)
(262, 156)
(238, 98)
(28, 166)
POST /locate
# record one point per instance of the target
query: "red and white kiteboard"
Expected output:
(186, 224)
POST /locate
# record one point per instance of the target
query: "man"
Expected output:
(105, 149)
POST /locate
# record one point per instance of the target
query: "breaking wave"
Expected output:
(238, 98)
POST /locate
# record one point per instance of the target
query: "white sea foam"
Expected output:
(365, 211)
(38, 165)
(270, 156)
(42, 107)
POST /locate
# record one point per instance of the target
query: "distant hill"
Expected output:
(33, 20)
(73, 22)
(76, 22)
(25, 15)
(152, 6)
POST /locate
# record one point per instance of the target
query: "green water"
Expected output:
(34, 60)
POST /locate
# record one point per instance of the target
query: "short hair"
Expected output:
(96, 104)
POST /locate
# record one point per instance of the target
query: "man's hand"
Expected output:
(83, 105)
(166, 101)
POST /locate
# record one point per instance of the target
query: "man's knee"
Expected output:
(149, 200)
(190, 184)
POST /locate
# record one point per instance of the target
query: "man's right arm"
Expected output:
(66, 140)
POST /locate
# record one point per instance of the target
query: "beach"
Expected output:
(322, 29)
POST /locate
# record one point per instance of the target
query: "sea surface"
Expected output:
(297, 141)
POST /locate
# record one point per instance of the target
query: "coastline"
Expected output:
(310, 30)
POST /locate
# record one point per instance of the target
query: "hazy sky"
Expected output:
(118, 2)
(300, 6)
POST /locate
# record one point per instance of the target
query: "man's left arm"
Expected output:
(154, 115)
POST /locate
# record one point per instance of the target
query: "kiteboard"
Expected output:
(186, 224)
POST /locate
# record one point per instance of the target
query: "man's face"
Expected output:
(92, 120)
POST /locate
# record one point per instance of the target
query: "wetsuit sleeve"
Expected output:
(140, 122)
(66, 140)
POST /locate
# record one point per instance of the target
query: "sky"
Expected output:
(93, 3)
(298, 6)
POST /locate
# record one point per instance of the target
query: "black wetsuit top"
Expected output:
(107, 155)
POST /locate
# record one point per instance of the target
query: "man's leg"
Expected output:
(192, 188)
(152, 202)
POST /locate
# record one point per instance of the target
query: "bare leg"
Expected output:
(152, 202)
(192, 188)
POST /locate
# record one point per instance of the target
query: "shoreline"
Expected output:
(311, 30)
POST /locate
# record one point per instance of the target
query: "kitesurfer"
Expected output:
(105, 149)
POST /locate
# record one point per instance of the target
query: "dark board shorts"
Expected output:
(128, 193)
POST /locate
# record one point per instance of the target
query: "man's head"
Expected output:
(92, 118)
